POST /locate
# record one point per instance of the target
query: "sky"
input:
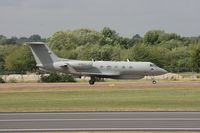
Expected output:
(128, 17)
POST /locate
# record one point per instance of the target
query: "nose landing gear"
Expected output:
(153, 80)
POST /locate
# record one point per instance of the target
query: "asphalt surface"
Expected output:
(99, 121)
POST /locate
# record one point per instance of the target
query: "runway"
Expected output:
(99, 121)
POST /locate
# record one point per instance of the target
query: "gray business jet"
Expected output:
(47, 61)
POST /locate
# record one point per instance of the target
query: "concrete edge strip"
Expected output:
(125, 119)
(103, 129)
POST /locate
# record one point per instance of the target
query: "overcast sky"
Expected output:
(127, 17)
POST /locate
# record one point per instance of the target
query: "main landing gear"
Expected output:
(92, 80)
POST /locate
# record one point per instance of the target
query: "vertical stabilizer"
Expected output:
(42, 54)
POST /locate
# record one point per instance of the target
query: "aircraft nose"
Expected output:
(163, 71)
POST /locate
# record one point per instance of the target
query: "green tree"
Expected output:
(152, 37)
(12, 40)
(4, 51)
(140, 52)
(195, 58)
(171, 44)
(116, 53)
(158, 55)
(35, 38)
(20, 60)
(63, 43)
(1, 64)
(155, 54)
(88, 52)
(136, 39)
(87, 37)
(111, 37)
(2, 39)
(178, 60)
(106, 52)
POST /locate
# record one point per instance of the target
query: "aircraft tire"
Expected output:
(91, 82)
(154, 82)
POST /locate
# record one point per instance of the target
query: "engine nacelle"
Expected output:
(81, 65)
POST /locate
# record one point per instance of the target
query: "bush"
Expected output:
(12, 80)
(100, 79)
(53, 77)
(173, 78)
(1, 80)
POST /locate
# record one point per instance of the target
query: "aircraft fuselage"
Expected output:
(48, 61)
(109, 69)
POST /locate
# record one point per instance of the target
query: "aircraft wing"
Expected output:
(102, 74)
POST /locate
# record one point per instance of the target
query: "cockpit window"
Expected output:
(152, 65)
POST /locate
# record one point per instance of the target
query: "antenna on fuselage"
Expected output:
(127, 60)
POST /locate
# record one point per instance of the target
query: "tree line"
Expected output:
(168, 50)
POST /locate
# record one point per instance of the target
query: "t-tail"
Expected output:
(44, 57)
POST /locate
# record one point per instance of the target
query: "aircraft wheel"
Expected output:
(91, 82)
(154, 82)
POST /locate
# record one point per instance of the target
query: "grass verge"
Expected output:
(104, 99)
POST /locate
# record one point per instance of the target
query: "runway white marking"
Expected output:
(127, 119)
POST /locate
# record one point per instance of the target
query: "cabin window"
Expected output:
(130, 67)
(123, 67)
(108, 67)
(101, 67)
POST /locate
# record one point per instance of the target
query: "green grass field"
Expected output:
(104, 99)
